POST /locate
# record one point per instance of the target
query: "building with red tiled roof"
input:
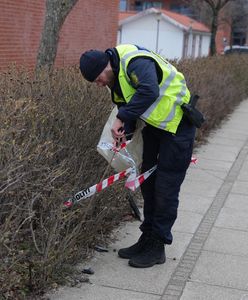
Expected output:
(126, 14)
(171, 34)
(186, 21)
(227, 33)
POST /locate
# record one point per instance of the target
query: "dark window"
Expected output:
(138, 5)
(239, 38)
(181, 9)
(142, 5)
(149, 4)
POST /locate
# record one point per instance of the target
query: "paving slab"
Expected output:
(187, 221)
(225, 141)
(213, 164)
(125, 234)
(208, 189)
(232, 219)
(240, 187)
(180, 243)
(220, 152)
(243, 175)
(237, 202)
(242, 109)
(227, 241)
(196, 175)
(198, 204)
(239, 116)
(112, 271)
(98, 292)
(235, 123)
(222, 270)
(218, 174)
(200, 291)
(230, 133)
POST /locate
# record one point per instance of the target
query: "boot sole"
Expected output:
(136, 265)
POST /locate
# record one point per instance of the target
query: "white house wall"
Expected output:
(205, 45)
(139, 32)
(190, 45)
(170, 41)
(197, 45)
(199, 51)
(143, 32)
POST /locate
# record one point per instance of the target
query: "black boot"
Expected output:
(153, 253)
(136, 248)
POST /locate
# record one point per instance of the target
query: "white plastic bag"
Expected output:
(130, 156)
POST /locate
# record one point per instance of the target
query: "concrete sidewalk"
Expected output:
(208, 259)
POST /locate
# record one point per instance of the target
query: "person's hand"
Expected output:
(118, 132)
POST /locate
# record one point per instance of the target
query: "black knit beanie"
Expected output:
(92, 63)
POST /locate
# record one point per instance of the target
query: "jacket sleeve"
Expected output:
(129, 125)
(144, 79)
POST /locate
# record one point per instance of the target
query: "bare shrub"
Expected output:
(49, 129)
(221, 82)
(50, 126)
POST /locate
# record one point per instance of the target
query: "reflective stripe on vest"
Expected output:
(174, 113)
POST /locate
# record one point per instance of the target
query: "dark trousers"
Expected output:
(172, 154)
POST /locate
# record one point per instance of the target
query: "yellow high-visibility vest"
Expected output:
(165, 113)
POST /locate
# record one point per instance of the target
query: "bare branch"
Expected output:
(31, 213)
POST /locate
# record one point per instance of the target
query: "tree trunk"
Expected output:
(216, 6)
(56, 13)
(214, 27)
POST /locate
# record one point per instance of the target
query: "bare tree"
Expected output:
(199, 11)
(215, 7)
(236, 16)
(56, 13)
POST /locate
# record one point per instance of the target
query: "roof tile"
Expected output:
(186, 21)
(179, 18)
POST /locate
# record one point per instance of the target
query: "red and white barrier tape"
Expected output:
(88, 192)
(132, 182)
(193, 160)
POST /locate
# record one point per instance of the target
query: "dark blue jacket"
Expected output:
(147, 78)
